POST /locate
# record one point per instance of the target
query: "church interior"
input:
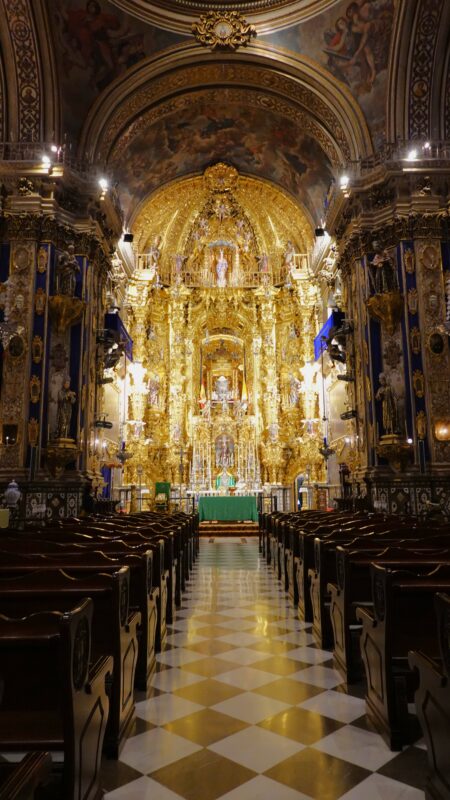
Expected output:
(224, 399)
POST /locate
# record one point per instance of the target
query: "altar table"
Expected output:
(227, 508)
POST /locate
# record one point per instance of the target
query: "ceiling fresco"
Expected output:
(352, 40)
(255, 141)
(96, 42)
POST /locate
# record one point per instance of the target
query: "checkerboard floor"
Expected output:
(244, 706)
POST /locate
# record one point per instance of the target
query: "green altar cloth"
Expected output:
(227, 508)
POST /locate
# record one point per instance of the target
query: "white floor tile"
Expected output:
(364, 748)
(310, 655)
(183, 638)
(171, 679)
(252, 708)
(143, 789)
(325, 677)
(165, 708)
(377, 787)
(246, 678)
(155, 749)
(256, 748)
(336, 705)
(300, 638)
(262, 788)
(177, 657)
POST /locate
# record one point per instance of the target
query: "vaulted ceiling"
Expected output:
(125, 85)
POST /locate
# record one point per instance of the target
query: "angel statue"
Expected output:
(66, 399)
(67, 271)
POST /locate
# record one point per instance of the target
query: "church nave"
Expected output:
(244, 706)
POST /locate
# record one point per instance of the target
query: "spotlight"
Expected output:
(46, 161)
(412, 155)
(128, 237)
(427, 146)
(319, 231)
(344, 181)
(103, 183)
(54, 148)
(409, 441)
(348, 414)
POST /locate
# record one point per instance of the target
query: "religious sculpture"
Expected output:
(385, 277)
(66, 399)
(154, 254)
(389, 404)
(294, 390)
(67, 272)
(225, 480)
(153, 391)
(221, 269)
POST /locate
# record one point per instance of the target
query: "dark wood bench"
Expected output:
(25, 780)
(114, 628)
(353, 588)
(402, 619)
(143, 597)
(55, 696)
(324, 571)
(433, 704)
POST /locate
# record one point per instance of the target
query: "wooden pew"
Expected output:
(324, 571)
(114, 628)
(402, 620)
(116, 548)
(143, 596)
(25, 780)
(353, 589)
(54, 698)
(433, 704)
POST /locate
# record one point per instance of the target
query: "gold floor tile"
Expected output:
(278, 665)
(212, 630)
(213, 773)
(288, 691)
(301, 725)
(317, 774)
(208, 692)
(210, 647)
(273, 648)
(210, 619)
(205, 727)
(209, 667)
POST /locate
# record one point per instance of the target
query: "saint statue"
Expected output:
(66, 399)
(389, 405)
(225, 480)
(385, 278)
(153, 391)
(221, 269)
(154, 254)
(289, 256)
(67, 271)
(294, 390)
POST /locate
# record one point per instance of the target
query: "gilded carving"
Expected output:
(414, 337)
(413, 301)
(223, 29)
(421, 425)
(40, 301)
(409, 260)
(42, 260)
(35, 389)
(37, 349)
(33, 432)
(430, 257)
(387, 308)
(418, 383)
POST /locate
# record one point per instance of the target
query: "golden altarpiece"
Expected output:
(222, 314)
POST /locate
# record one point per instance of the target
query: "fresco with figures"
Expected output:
(96, 43)
(176, 146)
(352, 41)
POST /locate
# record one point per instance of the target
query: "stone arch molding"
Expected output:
(296, 83)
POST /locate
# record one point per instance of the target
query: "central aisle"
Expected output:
(245, 707)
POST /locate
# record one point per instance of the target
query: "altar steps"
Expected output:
(228, 529)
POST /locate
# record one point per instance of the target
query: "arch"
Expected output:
(299, 80)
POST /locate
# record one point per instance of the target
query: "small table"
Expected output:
(229, 509)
